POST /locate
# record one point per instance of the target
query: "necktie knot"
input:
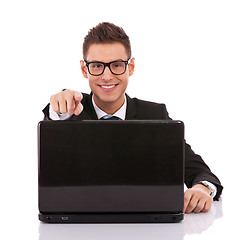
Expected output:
(110, 118)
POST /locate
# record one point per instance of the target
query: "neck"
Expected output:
(109, 107)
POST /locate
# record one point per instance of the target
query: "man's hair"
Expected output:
(106, 32)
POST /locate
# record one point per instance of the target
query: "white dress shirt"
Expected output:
(121, 113)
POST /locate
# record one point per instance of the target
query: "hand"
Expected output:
(197, 199)
(67, 101)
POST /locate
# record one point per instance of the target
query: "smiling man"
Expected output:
(108, 65)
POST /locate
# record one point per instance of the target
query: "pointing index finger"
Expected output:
(78, 96)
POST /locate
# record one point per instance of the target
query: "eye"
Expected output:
(96, 65)
(117, 65)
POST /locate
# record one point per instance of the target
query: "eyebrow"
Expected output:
(104, 62)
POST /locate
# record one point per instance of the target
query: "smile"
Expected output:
(108, 87)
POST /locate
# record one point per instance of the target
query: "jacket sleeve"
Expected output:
(196, 170)
(46, 113)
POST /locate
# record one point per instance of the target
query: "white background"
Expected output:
(187, 56)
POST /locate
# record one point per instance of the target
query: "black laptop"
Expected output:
(99, 171)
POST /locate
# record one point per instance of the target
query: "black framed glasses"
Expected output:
(116, 67)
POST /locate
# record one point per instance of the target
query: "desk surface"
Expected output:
(220, 221)
(194, 226)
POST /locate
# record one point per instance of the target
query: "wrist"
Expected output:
(206, 187)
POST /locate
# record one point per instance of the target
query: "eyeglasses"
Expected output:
(116, 67)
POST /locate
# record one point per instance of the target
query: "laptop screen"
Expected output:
(90, 157)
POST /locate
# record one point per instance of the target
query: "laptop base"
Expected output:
(111, 217)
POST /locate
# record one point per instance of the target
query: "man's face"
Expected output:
(108, 89)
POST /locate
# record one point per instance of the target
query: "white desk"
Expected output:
(194, 226)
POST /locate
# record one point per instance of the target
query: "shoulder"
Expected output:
(149, 110)
(146, 104)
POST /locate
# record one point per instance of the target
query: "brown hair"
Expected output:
(106, 32)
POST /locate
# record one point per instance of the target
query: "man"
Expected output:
(108, 65)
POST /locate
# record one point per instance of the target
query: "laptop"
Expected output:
(99, 171)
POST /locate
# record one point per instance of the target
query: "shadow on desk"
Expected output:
(198, 223)
(192, 224)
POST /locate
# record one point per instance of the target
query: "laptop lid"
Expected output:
(99, 166)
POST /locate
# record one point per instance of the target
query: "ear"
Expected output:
(83, 68)
(131, 66)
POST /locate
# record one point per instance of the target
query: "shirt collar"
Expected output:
(121, 113)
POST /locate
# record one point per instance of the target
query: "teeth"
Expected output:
(108, 86)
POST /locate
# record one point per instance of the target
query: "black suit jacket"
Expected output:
(195, 168)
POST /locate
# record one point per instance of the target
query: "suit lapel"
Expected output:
(90, 109)
(131, 113)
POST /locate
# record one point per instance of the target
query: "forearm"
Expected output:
(197, 171)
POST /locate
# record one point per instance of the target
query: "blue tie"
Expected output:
(111, 118)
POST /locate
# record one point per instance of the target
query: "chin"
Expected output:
(109, 99)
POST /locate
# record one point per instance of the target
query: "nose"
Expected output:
(107, 75)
